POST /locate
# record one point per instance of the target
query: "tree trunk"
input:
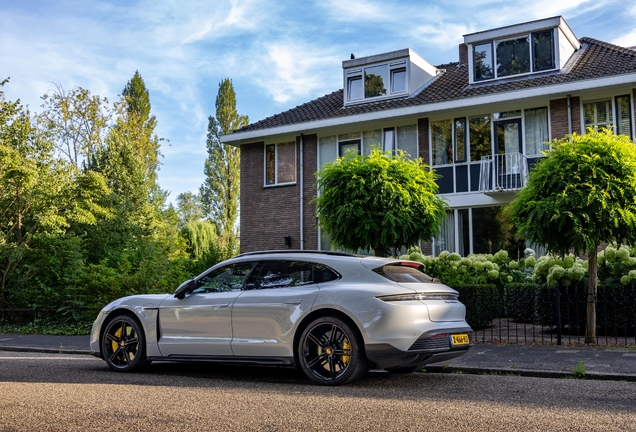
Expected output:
(592, 269)
(379, 251)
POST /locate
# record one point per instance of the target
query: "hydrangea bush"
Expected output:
(494, 286)
(454, 270)
(617, 264)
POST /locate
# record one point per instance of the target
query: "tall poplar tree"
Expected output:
(137, 122)
(220, 190)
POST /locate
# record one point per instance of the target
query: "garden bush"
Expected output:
(481, 304)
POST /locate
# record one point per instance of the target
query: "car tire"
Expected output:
(124, 344)
(330, 352)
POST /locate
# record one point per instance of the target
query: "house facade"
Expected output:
(481, 123)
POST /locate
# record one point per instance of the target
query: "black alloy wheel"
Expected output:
(124, 345)
(329, 352)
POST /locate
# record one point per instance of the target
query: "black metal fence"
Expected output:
(538, 314)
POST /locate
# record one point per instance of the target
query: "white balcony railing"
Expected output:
(503, 172)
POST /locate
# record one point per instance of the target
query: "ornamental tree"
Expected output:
(380, 202)
(582, 194)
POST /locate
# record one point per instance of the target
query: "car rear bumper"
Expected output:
(430, 347)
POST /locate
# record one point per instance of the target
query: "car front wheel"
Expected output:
(124, 344)
(330, 352)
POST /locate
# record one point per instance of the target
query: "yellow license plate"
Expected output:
(460, 339)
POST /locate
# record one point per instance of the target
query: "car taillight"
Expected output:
(418, 296)
(411, 264)
(439, 336)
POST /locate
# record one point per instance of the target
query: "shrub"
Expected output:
(481, 304)
(453, 270)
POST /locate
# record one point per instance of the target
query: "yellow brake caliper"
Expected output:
(118, 334)
(346, 346)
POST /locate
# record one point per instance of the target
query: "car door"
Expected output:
(264, 317)
(200, 324)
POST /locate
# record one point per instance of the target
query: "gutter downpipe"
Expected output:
(569, 116)
(302, 197)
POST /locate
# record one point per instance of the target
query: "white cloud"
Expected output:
(288, 70)
(280, 53)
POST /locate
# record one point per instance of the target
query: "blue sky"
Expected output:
(278, 53)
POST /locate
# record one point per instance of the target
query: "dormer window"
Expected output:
(387, 79)
(384, 76)
(522, 49)
(524, 54)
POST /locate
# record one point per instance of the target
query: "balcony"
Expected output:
(503, 172)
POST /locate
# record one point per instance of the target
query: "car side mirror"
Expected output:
(185, 288)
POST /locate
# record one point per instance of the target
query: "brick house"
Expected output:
(480, 123)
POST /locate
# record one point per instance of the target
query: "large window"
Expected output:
(455, 141)
(623, 116)
(598, 114)
(386, 139)
(442, 142)
(513, 57)
(376, 81)
(479, 230)
(479, 137)
(482, 61)
(280, 163)
(523, 54)
(459, 129)
(603, 113)
(536, 133)
(469, 139)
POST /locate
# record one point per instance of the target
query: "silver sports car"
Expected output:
(332, 315)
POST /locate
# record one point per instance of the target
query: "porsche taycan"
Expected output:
(332, 315)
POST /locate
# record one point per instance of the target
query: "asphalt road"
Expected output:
(51, 392)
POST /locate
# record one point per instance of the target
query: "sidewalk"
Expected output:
(549, 361)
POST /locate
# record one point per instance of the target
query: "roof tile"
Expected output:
(594, 59)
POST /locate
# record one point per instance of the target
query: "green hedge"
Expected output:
(535, 304)
(482, 304)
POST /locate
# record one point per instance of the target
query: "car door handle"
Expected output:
(221, 306)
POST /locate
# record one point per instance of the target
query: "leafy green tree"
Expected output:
(40, 194)
(583, 193)
(76, 120)
(378, 202)
(142, 236)
(189, 208)
(202, 244)
(220, 190)
(136, 121)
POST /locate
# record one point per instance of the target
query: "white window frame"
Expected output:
(392, 67)
(495, 42)
(276, 183)
(612, 100)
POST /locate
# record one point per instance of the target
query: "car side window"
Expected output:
(282, 274)
(323, 274)
(228, 278)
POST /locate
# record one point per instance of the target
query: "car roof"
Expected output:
(333, 258)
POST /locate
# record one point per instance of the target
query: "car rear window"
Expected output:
(404, 273)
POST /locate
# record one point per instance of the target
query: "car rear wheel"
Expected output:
(330, 353)
(124, 344)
